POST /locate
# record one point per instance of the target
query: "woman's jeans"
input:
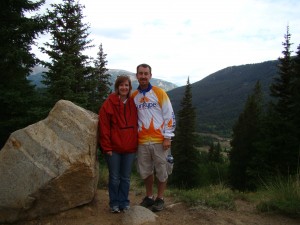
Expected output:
(119, 166)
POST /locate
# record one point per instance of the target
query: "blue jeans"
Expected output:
(119, 166)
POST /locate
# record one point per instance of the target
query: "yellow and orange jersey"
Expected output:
(156, 119)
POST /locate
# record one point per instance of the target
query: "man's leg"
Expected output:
(160, 160)
(159, 201)
(149, 185)
(145, 167)
(148, 200)
(161, 187)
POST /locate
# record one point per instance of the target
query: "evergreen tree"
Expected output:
(69, 66)
(186, 156)
(17, 35)
(282, 135)
(280, 88)
(99, 82)
(246, 133)
(295, 96)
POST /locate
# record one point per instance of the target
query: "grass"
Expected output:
(213, 196)
(217, 196)
(103, 177)
(277, 196)
(281, 195)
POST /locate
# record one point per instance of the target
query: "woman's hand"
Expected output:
(109, 153)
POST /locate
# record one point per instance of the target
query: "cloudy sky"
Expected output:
(189, 38)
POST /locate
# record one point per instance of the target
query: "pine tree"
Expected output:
(282, 137)
(69, 66)
(295, 105)
(186, 156)
(280, 88)
(17, 35)
(246, 133)
(99, 82)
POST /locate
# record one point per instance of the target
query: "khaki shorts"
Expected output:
(150, 158)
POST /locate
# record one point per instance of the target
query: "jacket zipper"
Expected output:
(124, 104)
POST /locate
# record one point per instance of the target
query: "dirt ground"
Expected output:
(97, 213)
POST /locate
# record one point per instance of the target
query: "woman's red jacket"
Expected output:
(118, 125)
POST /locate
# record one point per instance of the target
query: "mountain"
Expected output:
(167, 86)
(36, 78)
(220, 97)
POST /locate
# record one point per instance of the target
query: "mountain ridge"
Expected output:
(36, 78)
(220, 97)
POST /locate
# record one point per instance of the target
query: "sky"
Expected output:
(183, 39)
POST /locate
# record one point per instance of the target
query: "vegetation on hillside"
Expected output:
(266, 144)
(220, 97)
(246, 133)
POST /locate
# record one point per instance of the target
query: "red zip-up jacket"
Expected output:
(118, 125)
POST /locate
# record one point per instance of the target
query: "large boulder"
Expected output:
(50, 166)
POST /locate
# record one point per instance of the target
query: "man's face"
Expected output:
(143, 76)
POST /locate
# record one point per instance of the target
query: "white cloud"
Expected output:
(188, 37)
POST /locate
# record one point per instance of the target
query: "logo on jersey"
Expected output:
(144, 99)
(145, 103)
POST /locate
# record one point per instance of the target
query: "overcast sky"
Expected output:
(189, 38)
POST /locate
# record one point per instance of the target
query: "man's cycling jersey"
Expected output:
(156, 119)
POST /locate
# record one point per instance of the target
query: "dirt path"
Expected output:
(97, 213)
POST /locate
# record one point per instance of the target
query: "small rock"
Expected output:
(138, 215)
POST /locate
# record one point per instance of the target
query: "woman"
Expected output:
(118, 140)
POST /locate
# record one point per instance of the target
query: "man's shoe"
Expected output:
(158, 205)
(147, 202)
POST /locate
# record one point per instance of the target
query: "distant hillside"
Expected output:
(220, 97)
(167, 86)
(36, 78)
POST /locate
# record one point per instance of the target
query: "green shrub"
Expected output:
(282, 196)
(213, 174)
(216, 196)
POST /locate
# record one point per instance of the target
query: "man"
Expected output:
(156, 124)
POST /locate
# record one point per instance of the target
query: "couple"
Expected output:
(143, 122)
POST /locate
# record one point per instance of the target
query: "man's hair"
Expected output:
(145, 66)
(120, 79)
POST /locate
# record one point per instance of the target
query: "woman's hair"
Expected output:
(120, 79)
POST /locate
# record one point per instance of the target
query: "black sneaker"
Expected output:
(158, 205)
(147, 202)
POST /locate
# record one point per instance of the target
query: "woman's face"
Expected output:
(124, 89)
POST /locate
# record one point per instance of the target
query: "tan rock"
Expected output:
(50, 166)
